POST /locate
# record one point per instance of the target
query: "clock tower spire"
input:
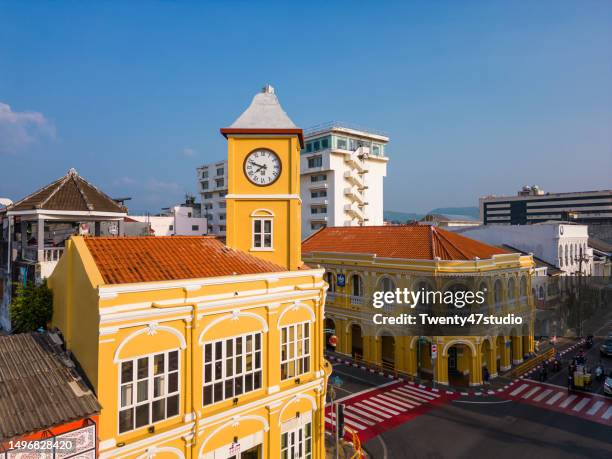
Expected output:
(263, 200)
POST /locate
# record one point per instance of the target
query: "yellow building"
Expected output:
(200, 350)
(362, 260)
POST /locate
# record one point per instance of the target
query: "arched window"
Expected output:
(357, 285)
(331, 280)
(511, 286)
(262, 234)
(523, 287)
(541, 293)
(497, 294)
(387, 284)
(461, 289)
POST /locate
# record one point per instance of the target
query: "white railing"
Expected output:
(52, 253)
(356, 300)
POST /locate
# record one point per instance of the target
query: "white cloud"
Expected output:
(189, 152)
(20, 129)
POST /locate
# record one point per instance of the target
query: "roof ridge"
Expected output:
(433, 243)
(35, 192)
(75, 177)
(441, 235)
(64, 180)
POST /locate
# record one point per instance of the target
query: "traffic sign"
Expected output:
(333, 340)
(434, 351)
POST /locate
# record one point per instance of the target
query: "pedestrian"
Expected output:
(570, 381)
(486, 376)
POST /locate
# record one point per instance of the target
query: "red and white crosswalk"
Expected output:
(375, 411)
(592, 407)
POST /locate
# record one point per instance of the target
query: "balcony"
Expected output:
(319, 201)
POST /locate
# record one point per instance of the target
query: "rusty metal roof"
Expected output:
(71, 192)
(39, 386)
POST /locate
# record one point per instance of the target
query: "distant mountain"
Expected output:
(403, 217)
(471, 213)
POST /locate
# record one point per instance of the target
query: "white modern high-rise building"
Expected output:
(212, 186)
(342, 170)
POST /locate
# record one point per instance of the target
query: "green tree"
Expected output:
(31, 308)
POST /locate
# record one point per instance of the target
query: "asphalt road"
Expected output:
(480, 427)
(499, 429)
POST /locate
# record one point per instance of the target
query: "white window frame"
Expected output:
(262, 234)
(223, 367)
(151, 398)
(290, 350)
(295, 437)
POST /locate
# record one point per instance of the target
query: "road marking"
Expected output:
(348, 412)
(365, 391)
(567, 401)
(417, 396)
(554, 398)
(402, 398)
(352, 423)
(424, 392)
(406, 405)
(581, 404)
(369, 409)
(384, 408)
(412, 397)
(363, 413)
(519, 390)
(607, 414)
(531, 392)
(542, 395)
(595, 407)
(388, 404)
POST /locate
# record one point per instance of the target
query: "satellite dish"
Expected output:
(5, 202)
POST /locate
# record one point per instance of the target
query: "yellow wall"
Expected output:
(73, 282)
(104, 325)
(345, 309)
(244, 198)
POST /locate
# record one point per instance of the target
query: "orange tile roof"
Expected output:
(415, 242)
(124, 260)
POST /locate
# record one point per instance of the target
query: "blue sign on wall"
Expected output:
(341, 280)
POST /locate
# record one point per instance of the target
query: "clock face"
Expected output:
(262, 167)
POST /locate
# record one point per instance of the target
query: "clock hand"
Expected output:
(257, 165)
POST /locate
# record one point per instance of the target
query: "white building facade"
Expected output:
(563, 245)
(181, 221)
(342, 171)
(212, 186)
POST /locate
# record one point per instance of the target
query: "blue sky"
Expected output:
(477, 97)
